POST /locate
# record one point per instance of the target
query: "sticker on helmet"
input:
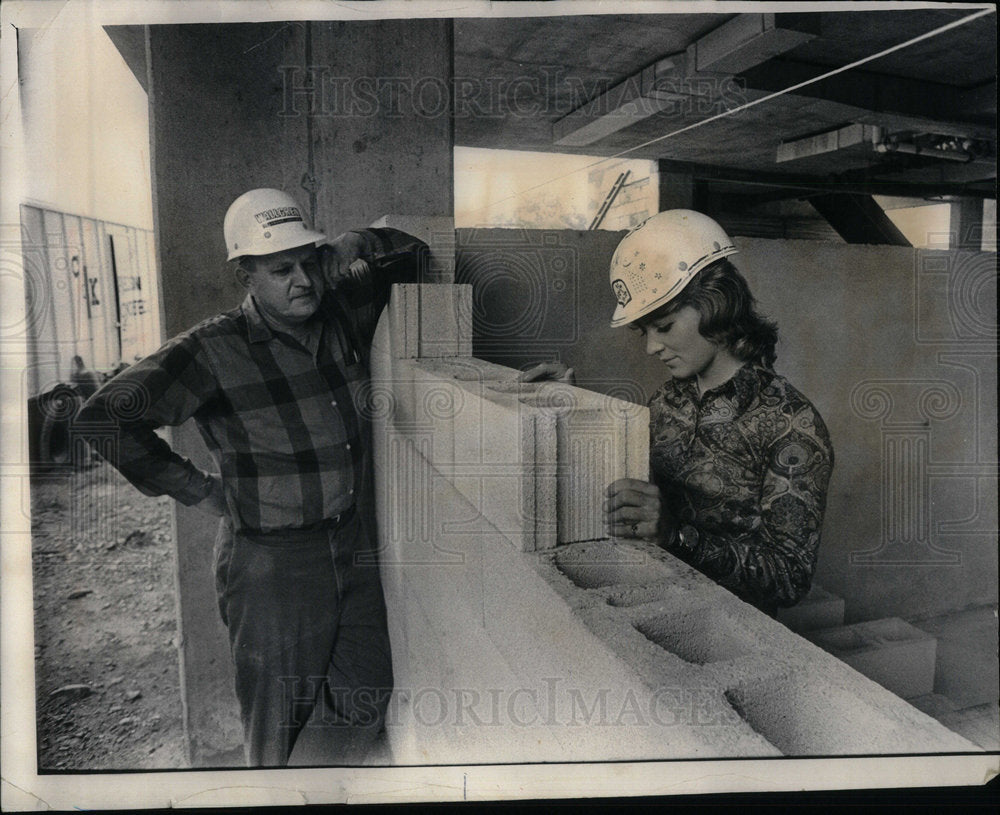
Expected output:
(278, 215)
(622, 294)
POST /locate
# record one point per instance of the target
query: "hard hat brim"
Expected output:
(619, 318)
(307, 237)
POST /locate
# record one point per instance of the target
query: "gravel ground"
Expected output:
(106, 661)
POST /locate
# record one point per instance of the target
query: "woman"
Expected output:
(739, 459)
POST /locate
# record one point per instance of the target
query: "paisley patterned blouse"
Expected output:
(744, 470)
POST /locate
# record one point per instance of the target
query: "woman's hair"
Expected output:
(728, 317)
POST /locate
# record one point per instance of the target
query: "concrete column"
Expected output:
(966, 226)
(328, 112)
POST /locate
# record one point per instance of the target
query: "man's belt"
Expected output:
(301, 535)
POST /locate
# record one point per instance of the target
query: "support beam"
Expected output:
(893, 102)
(858, 219)
(854, 137)
(738, 44)
(850, 182)
(750, 39)
(637, 98)
(966, 225)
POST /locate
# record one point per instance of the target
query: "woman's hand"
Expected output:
(549, 372)
(632, 509)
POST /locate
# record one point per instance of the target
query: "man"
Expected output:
(277, 389)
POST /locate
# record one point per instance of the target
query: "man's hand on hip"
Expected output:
(214, 503)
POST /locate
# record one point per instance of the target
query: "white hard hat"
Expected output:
(659, 257)
(263, 221)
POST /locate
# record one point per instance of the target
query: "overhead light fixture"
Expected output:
(950, 148)
(862, 139)
(852, 136)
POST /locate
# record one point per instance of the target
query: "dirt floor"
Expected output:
(106, 659)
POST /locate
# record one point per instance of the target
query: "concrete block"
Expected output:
(803, 713)
(577, 673)
(438, 232)
(541, 485)
(818, 609)
(599, 440)
(436, 401)
(636, 438)
(602, 563)
(891, 652)
(500, 451)
(966, 670)
(698, 634)
(432, 319)
(979, 724)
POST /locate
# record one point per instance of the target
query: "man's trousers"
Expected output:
(307, 629)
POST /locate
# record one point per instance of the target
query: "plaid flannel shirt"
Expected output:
(287, 429)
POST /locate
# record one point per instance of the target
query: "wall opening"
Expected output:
(531, 190)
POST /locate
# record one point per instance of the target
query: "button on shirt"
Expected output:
(744, 469)
(289, 455)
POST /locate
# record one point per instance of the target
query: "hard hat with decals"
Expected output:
(658, 258)
(264, 221)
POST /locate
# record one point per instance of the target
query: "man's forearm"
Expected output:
(149, 464)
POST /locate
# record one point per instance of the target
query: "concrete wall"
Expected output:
(896, 348)
(228, 113)
(511, 644)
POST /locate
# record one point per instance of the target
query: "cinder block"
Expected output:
(499, 464)
(636, 438)
(541, 484)
(599, 440)
(967, 667)
(404, 321)
(890, 651)
(818, 609)
(437, 401)
(432, 319)
(597, 564)
(802, 714)
(699, 634)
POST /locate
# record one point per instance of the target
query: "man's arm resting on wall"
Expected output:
(363, 265)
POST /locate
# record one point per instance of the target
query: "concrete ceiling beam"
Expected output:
(897, 103)
(703, 69)
(800, 185)
(748, 40)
